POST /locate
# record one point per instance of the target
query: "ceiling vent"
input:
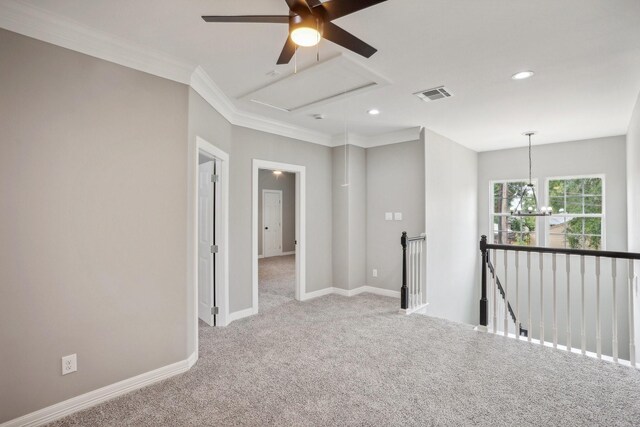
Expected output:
(433, 94)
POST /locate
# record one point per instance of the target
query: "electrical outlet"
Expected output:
(69, 364)
(388, 216)
(375, 272)
(397, 216)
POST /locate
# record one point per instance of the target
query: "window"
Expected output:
(578, 206)
(507, 229)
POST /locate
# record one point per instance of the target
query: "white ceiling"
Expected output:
(586, 55)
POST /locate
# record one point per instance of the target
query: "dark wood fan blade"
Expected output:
(288, 51)
(339, 36)
(269, 19)
(299, 6)
(335, 9)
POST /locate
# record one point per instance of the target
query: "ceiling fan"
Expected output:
(309, 21)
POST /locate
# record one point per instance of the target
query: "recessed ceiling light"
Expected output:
(373, 112)
(277, 173)
(522, 75)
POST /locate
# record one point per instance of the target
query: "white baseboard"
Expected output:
(421, 309)
(316, 294)
(351, 292)
(237, 315)
(378, 291)
(92, 398)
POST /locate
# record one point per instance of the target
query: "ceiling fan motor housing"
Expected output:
(309, 21)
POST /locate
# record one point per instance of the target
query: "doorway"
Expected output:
(211, 229)
(278, 233)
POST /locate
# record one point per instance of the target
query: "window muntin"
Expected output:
(508, 229)
(578, 205)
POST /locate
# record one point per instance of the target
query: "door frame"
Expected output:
(263, 233)
(301, 218)
(222, 233)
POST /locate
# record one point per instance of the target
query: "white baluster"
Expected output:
(598, 335)
(411, 278)
(583, 333)
(568, 260)
(517, 295)
(541, 262)
(420, 272)
(529, 296)
(632, 344)
(555, 305)
(614, 339)
(506, 303)
(415, 275)
(495, 293)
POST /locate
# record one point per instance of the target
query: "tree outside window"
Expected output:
(578, 204)
(508, 229)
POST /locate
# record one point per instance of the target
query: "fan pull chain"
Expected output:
(295, 61)
(318, 44)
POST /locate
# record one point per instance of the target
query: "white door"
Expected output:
(272, 222)
(205, 240)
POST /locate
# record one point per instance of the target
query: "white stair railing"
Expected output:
(598, 285)
(413, 292)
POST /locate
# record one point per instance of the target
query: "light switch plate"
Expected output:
(388, 216)
(397, 216)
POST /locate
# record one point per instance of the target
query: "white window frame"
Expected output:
(534, 181)
(602, 216)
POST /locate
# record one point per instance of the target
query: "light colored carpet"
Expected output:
(357, 362)
(276, 281)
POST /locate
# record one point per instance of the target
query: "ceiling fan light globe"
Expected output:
(305, 36)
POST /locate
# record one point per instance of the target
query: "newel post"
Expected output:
(404, 292)
(484, 303)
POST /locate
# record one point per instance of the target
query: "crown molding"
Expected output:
(207, 88)
(397, 137)
(38, 23)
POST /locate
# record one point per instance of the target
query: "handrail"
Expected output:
(582, 252)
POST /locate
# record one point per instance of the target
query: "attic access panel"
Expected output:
(320, 84)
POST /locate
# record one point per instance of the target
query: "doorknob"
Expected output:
(266, 228)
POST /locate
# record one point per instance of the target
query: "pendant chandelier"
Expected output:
(528, 191)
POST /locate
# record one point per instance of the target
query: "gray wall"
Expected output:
(633, 204)
(286, 183)
(340, 218)
(395, 183)
(595, 156)
(452, 238)
(357, 241)
(209, 125)
(349, 218)
(92, 165)
(247, 145)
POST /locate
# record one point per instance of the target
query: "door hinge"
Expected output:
(215, 178)
(214, 310)
(214, 249)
